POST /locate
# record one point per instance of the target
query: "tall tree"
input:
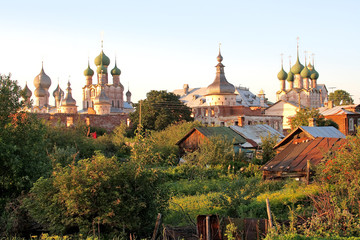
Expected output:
(341, 97)
(10, 95)
(23, 155)
(302, 119)
(160, 109)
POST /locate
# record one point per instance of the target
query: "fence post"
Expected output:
(269, 212)
(208, 228)
(157, 225)
(307, 172)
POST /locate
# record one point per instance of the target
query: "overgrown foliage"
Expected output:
(157, 148)
(267, 146)
(216, 151)
(98, 193)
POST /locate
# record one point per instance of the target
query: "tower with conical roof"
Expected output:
(220, 91)
(58, 96)
(68, 104)
(28, 94)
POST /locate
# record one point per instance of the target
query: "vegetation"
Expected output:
(302, 119)
(341, 97)
(58, 180)
(159, 110)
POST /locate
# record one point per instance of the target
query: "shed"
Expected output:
(292, 160)
(196, 136)
(309, 133)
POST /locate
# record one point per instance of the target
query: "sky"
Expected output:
(164, 44)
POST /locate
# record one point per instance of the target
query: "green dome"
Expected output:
(314, 74)
(102, 69)
(102, 58)
(297, 68)
(88, 71)
(305, 73)
(290, 77)
(115, 71)
(282, 75)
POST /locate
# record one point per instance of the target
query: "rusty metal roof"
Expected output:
(312, 132)
(294, 157)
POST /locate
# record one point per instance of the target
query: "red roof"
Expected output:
(294, 156)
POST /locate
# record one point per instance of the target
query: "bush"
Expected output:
(98, 193)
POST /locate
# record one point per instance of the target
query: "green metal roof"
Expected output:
(222, 131)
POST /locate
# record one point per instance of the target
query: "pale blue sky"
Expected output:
(162, 45)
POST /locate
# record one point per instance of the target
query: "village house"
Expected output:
(303, 147)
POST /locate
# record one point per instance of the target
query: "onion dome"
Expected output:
(39, 92)
(115, 71)
(305, 73)
(42, 79)
(310, 67)
(88, 72)
(58, 93)
(290, 77)
(282, 75)
(220, 84)
(101, 69)
(262, 91)
(314, 74)
(128, 93)
(102, 59)
(68, 100)
(28, 92)
(101, 98)
(297, 68)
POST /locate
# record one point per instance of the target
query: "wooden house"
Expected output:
(302, 148)
(196, 136)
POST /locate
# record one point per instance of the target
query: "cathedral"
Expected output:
(103, 97)
(302, 88)
(100, 98)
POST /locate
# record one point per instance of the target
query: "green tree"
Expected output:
(10, 98)
(160, 109)
(23, 155)
(302, 119)
(267, 144)
(97, 193)
(341, 97)
(157, 148)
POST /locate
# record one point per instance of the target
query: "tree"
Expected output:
(160, 109)
(23, 155)
(341, 97)
(97, 193)
(10, 95)
(302, 119)
(267, 145)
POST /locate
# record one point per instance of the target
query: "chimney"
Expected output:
(186, 89)
(312, 122)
